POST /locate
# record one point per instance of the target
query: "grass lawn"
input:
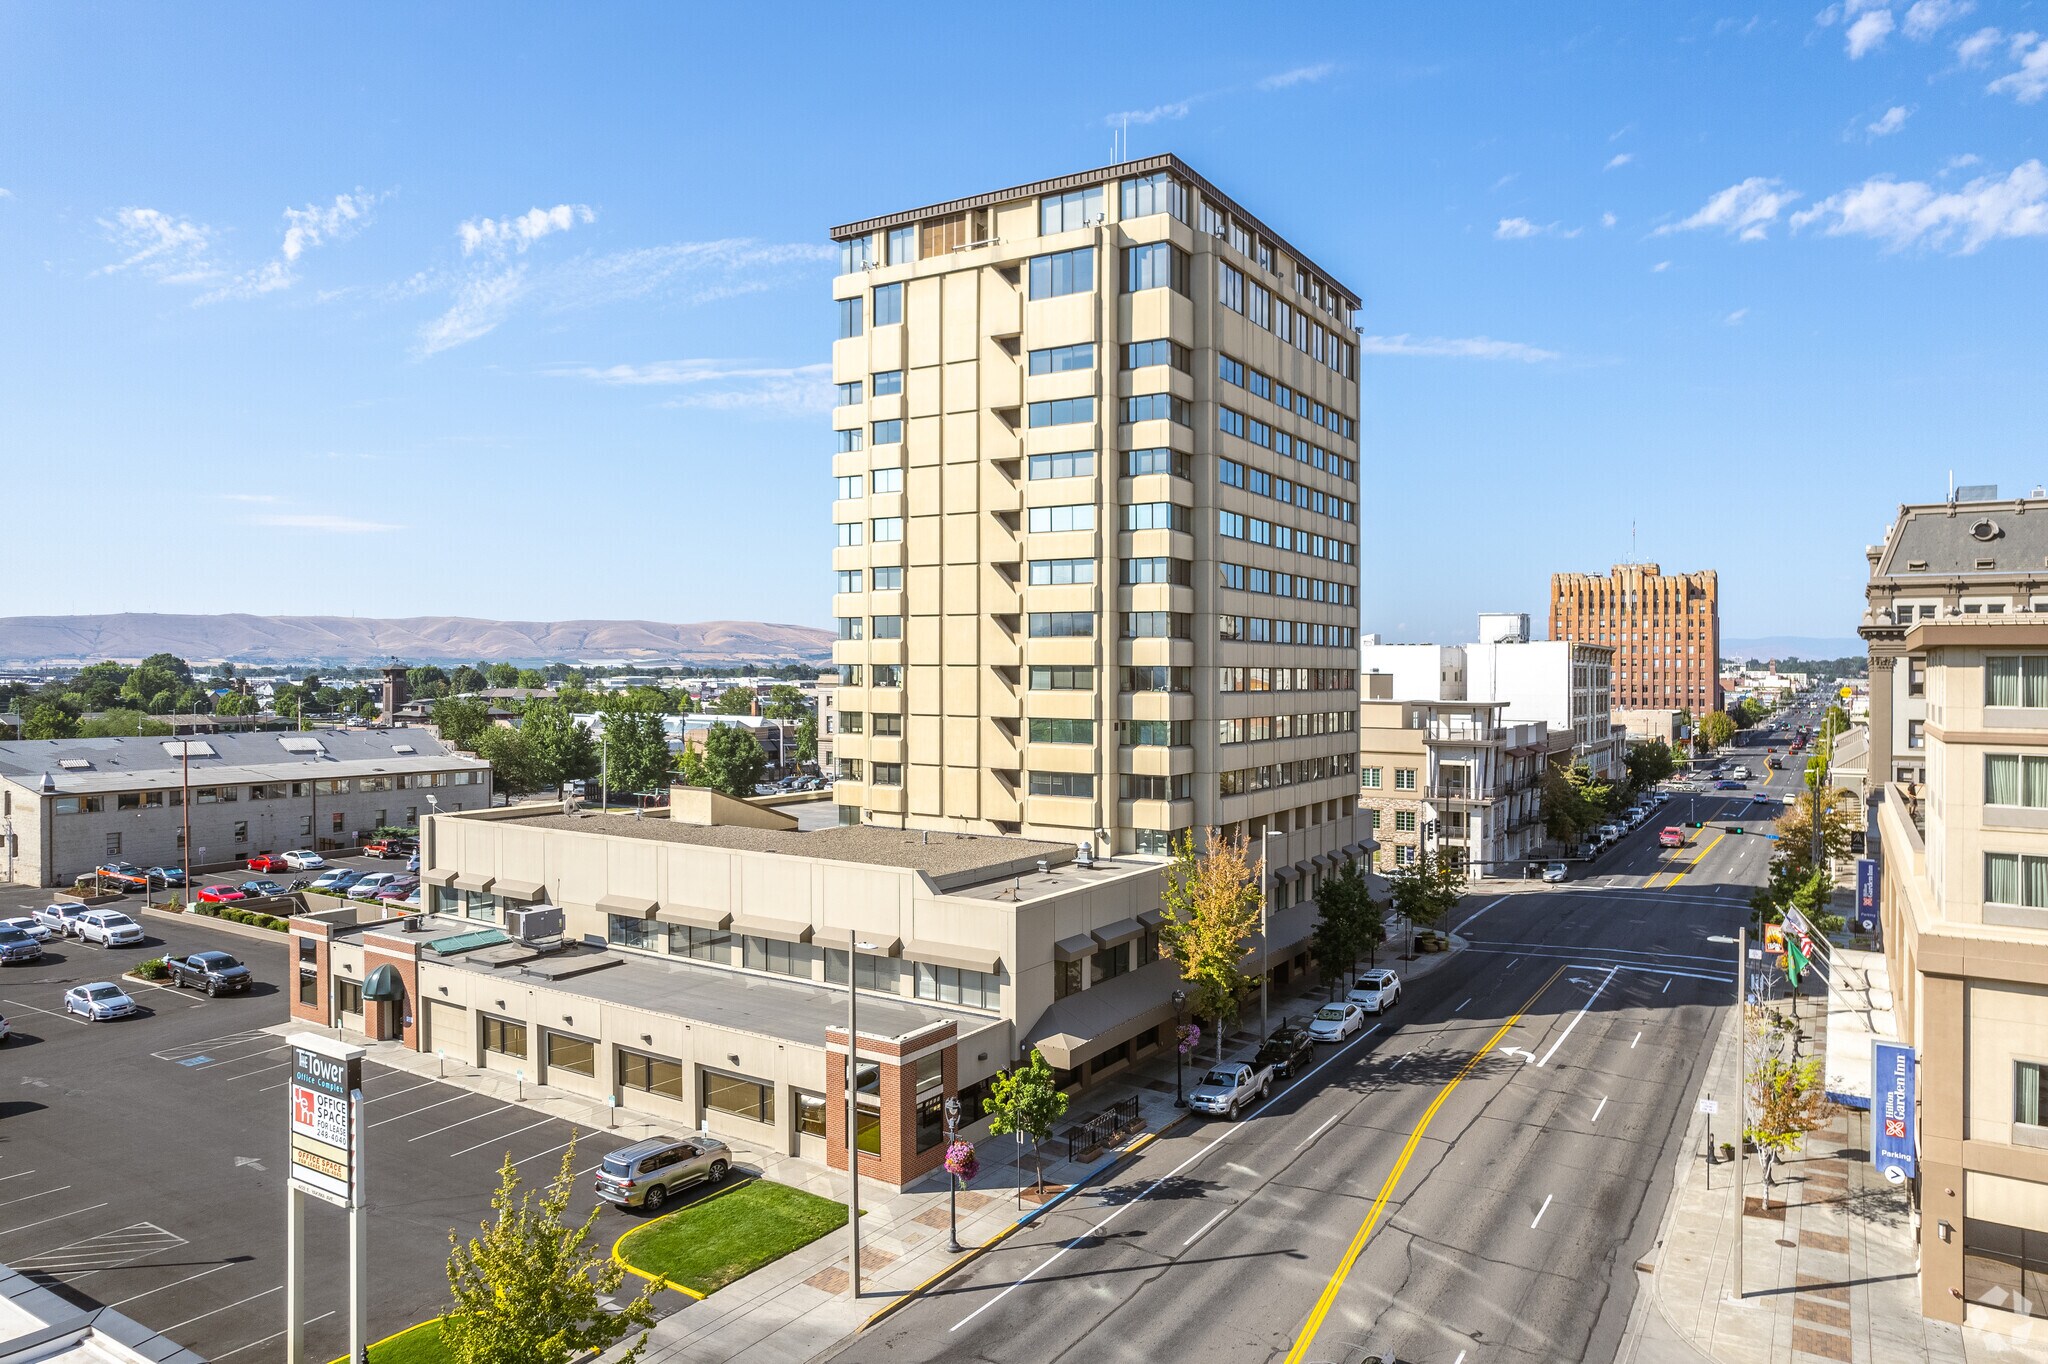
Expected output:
(709, 1244)
(419, 1345)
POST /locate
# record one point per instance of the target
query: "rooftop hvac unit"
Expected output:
(534, 923)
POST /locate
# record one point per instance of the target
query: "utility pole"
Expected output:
(1741, 1087)
(185, 810)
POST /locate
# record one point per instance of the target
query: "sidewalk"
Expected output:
(1829, 1268)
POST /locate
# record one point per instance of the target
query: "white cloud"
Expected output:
(6, 193)
(1457, 348)
(1618, 160)
(2030, 82)
(722, 384)
(1660, 267)
(1300, 75)
(481, 303)
(1158, 113)
(1925, 17)
(322, 521)
(1867, 32)
(1890, 122)
(1734, 319)
(523, 230)
(1913, 213)
(1976, 49)
(305, 228)
(164, 247)
(1745, 210)
(1963, 162)
(1608, 220)
(1505, 181)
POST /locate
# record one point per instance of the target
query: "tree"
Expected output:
(807, 739)
(557, 748)
(505, 750)
(1026, 1100)
(785, 703)
(1351, 923)
(1211, 905)
(1787, 1096)
(735, 701)
(1575, 802)
(467, 679)
(1649, 762)
(1717, 729)
(502, 675)
(532, 678)
(636, 751)
(1425, 890)
(425, 682)
(461, 719)
(730, 761)
(531, 1288)
(1795, 827)
(234, 703)
(120, 723)
(47, 721)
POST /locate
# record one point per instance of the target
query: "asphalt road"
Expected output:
(142, 1161)
(1471, 1182)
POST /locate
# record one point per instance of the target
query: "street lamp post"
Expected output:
(1265, 925)
(1180, 998)
(854, 947)
(952, 1180)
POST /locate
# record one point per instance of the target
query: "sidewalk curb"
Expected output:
(975, 1252)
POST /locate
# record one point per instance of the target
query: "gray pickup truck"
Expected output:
(217, 973)
(1228, 1090)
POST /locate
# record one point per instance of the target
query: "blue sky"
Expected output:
(521, 311)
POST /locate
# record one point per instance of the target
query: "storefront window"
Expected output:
(577, 1055)
(700, 944)
(348, 996)
(652, 1074)
(810, 1113)
(931, 1121)
(2005, 1267)
(739, 1096)
(629, 931)
(505, 1037)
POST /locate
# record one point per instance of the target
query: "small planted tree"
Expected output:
(1027, 1102)
(529, 1288)
(1350, 925)
(1787, 1099)
(1425, 891)
(1211, 905)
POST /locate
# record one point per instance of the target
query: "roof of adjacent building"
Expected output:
(1951, 538)
(1081, 180)
(137, 763)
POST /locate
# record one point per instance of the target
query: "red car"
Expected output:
(1671, 837)
(269, 862)
(218, 895)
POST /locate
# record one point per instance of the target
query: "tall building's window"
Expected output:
(888, 774)
(1133, 787)
(1062, 273)
(1369, 778)
(1229, 524)
(1259, 305)
(1404, 779)
(850, 533)
(1230, 422)
(1060, 731)
(1150, 194)
(782, 958)
(2011, 879)
(1230, 473)
(1062, 359)
(1065, 212)
(950, 985)
(888, 627)
(1060, 572)
(1229, 370)
(1080, 516)
(1155, 516)
(1159, 265)
(2016, 680)
(852, 627)
(938, 236)
(847, 487)
(888, 304)
(1141, 354)
(1156, 460)
(1062, 412)
(886, 480)
(1061, 678)
(1156, 625)
(1060, 624)
(847, 393)
(2015, 779)
(850, 313)
(1159, 569)
(856, 253)
(888, 724)
(887, 381)
(1151, 407)
(700, 944)
(902, 245)
(846, 442)
(887, 529)
(886, 675)
(1153, 733)
(889, 432)
(1075, 464)
(1062, 784)
(1157, 678)
(1230, 287)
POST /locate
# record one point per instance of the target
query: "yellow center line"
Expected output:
(1379, 1204)
(1695, 861)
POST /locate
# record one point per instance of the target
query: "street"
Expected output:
(1473, 1180)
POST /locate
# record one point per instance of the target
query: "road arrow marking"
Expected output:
(1527, 1056)
(240, 1161)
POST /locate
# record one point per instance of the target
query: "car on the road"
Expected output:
(61, 920)
(255, 889)
(1377, 991)
(101, 999)
(1287, 1050)
(31, 925)
(108, 928)
(122, 876)
(218, 895)
(1671, 836)
(1335, 1022)
(269, 862)
(16, 945)
(1555, 872)
(304, 859)
(1740, 773)
(217, 973)
(165, 878)
(644, 1174)
(337, 880)
(1228, 1090)
(1729, 784)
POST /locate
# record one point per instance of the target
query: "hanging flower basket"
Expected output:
(1189, 1037)
(961, 1161)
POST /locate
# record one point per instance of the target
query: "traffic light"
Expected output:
(1736, 829)
(1696, 824)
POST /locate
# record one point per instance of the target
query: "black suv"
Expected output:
(1287, 1050)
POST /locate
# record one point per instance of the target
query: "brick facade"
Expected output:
(316, 1012)
(899, 1162)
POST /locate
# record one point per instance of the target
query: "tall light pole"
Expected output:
(1741, 1084)
(854, 947)
(185, 810)
(1180, 1053)
(1265, 925)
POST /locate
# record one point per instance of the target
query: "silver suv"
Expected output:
(644, 1174)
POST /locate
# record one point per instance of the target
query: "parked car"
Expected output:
(1287, 1050)
(1555, 872)
(165, 878)
(16, 945)
(218, 895)
(1228, 1090)
(644, 1174)
(412, 864)
(388, 847)
(399, 889)
(5, 1031)
(1612, 833)
(61, 920)
(217, 973)
(269, 862)
(304, 859)
(122, 876)
(337, 880)
(1376, 991)
(368, 887)
(29, 924)
(108, 928)
(101, 999)
(1671, 836)
(1335, 1022)
(258, 889)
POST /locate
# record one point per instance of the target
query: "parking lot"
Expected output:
(142, 1160)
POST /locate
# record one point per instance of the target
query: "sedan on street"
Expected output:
(1335, 1022)
(1555, 873)
(102, 999)
(30, 925)
(1287, 1050)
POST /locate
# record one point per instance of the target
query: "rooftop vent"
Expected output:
(302, 745)
(1986, 565)
(75, 764)
(403, 748)
(189, 748)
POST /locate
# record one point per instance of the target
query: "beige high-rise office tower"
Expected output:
(1097, 519)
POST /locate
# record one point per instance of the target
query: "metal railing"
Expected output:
(1099, 1129)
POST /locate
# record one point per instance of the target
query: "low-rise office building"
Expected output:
(1667, 727)
(1451, 778)
(68, 805)
(706, 955)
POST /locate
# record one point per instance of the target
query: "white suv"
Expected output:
(108, 928)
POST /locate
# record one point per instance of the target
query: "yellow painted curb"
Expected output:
(657, 1279)
(393, 1336)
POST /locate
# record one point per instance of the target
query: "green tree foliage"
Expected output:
(466, 679)
(120, 723)
(1351, 924)
(461, 720)
(1025, 1100)
(502, 675)
(1717, 729)
(557, 748)
(785, 703)
(531, 677)
(97, 686)
(1795, 826)
(234, 703)
(532, 1287)
(636, 751)
(652, 700)
(735, 701)
(1649, 762)
(505, 751)
(1426, 890)
(1747, 712)
(1211, 905)
(426, 682)
(807, 739)
(730, 761)
(48, 721)
(1787, 1094)
(1801, 887)
(1575, 802)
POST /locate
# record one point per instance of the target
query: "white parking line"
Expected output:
(407, 1090)
(507, 1137)
(1540, 1211)
(265, 1069)
(465, 1094)
(550, 1151)
(1632, 1041)
(474, 1117)
(267, 1339)
(1601, 1109)
(58, 1218)
(188, 1279)
(246, 1056)
(1576, 1017)
(1220, 1215)
(274, 1288)
(25, 1197)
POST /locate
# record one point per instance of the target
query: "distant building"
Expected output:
(1664, 629)
(1451, 778)
(1665, 726)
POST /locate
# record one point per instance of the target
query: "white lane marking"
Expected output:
(1582, 950)
(1720, 977)
(1667, 986)
(1513, 964)
(1460, 1359)
(58, 1218)
(1540, 1211)
(188, 1279)
(67, 1016)
(1601, 1109)
(1146, 1192)
(1576, 1017)
(1468, 1000)
(25, 1197)
(1204, 1227)
(465, 1094)
(1243, 1170)
(267, 1339)
(507, 1137)
(1319, 1131)
(19, 1174)
(1476, 913)
(274, 1288)
(460, 1122)
(407, 1090)
(1632, 1041)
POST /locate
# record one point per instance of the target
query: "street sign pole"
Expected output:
(1741, 1085)
(358, 1246)
(325, 1126)
(294, 1274)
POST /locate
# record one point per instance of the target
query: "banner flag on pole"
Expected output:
(1795, 959)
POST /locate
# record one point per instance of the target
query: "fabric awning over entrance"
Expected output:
(474, 883)
(1123, 930)
(984, 959)
(437, 876)
(631, 906)
(782, 930)
(691, 916)
(1089, 1023)
(521, 890)
(383, 983)
(1074, 948)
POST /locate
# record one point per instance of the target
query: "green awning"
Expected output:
(383, 983)
(456, 943)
